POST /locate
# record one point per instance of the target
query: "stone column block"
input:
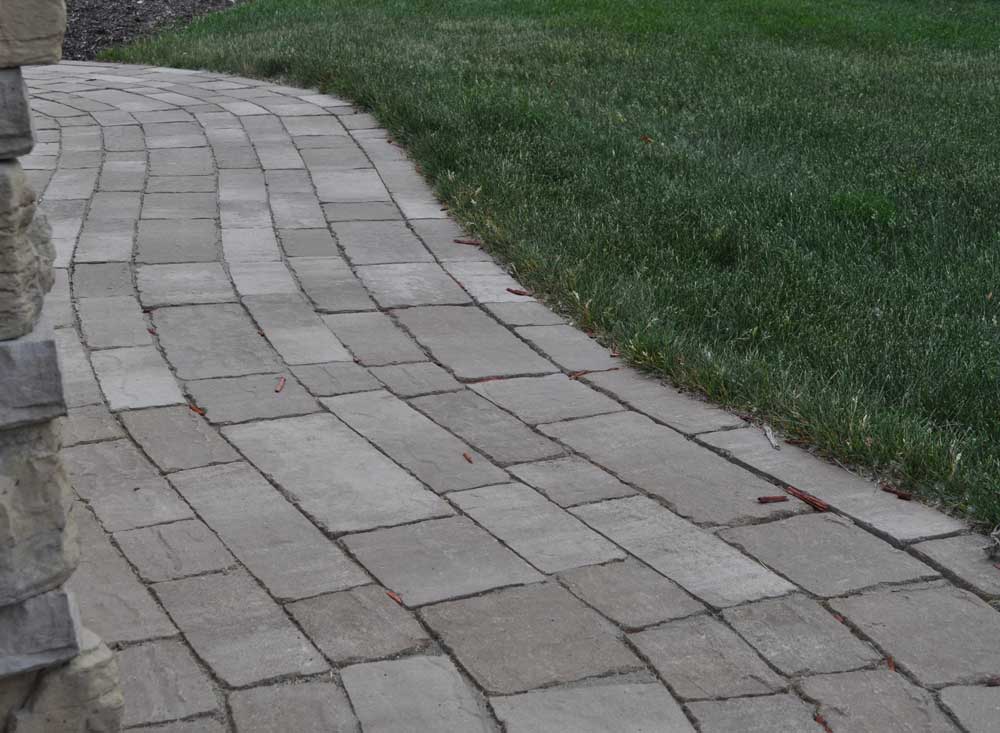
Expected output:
(31, 32)
(41, 631)
(16, 131)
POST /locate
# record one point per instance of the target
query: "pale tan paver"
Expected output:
(301, 444)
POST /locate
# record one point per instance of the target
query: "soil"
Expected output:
(93, 25)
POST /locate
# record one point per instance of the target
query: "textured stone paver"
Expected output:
(332, 474)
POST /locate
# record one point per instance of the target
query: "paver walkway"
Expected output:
(335, 473)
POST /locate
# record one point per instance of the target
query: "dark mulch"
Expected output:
(93, 25)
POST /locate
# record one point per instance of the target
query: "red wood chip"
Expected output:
(891, 664)
(395, 596)
(467, 457)
(518, 291)
(281, 384)
(822, 721)
(196, 409)
(152, 331)
(470, 242)
(771, 499)
(815, 502)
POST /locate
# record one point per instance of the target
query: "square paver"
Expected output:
(181, 240)
(308, 243)
(374, 339)
(330, 285)
(336, 477)
(799, 637)
(294, 329)
(310, 707)
(435, 560)
(486, 427)
(113, 322)
(597, 708)
(700, 562)
(536, 529)
(695, 482)
(253, 397)
(205, 341)
(434, 455)
(161, 681)
(570, 481)
(381, 242)
(176, 438)
(701, 658)
(135, 377)
(412, 380)
(122, 487)
(768, 714)
(257, 244)
(326, 380)
(175, 550)
(415, 694)
(569, 347)
(240, 633)
(518, 639)
(940, 634)
(470, 343)
(630, 594)
(102, 280)
(289, 555)
(395, 286)
(546, 399)
(826, 554)
(179, 206)
(181, 284)
(875, 700)
(358, 625)
(964, 558)
(90, 424)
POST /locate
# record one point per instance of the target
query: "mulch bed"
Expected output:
(93, 25)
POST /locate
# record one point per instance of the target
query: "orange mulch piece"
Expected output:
(771, 499)
(813, 501)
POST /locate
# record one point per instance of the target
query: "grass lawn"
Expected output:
(790, 205)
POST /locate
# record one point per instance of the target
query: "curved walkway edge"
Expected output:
(337, 471)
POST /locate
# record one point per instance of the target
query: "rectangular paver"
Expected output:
(412, 380)
(330, 284)
(571, 480)
(252, 397)
(381, 242)
(135, 377)
(487, 282)
(421, 283)
(270, 536)
(569, 347)
(294, 329)
(326, 380)
(175, 550)
(181, 240)
(262, 278)
(161, 681)
(183, 284)
(767, 714)
(310, 707)
(113, 322)
(374, 339)
(176, 438)
(546, 399)
(964, 558)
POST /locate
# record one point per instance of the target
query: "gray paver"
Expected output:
(663, 402)
(262, 278)
(630, 594)
(486, 427)
(360, 211)
(114, 206)
(598, 708)
(518, 639)
(176, 438)
(181, 162)
(180, 284)
(239, 632)
(529, 313)
(874, 702)
(964, 557)
(89, 424)
(161, 681)
(411, 380)
(79, 384)
(326, 380)
(113, 603)
(257, 244)
(439, 236)
(373, 338)
(799, 637)
(358, 625)
(395, 286)
(175, 550)
(270, 537)
(546, 399)
(487, 282)
(102, 280)
(698, 485)
(414, 694)
(827, 555)
(348, 186)
(336, 477)
(181, 184)
(700, 562)
(942, 635)
(539, 531)
(977, 708)
(571, 480)
(179, 206)
(435, 560)
(123, 489)
(307, 243)
(205, 341)
(294, 329)
(110, 322)
(105, 241)
(436, 457)
(569, 347)
(135, 377)
(905, 521)
(198, 725)
(701, 658)
(183, 240)
(769, 714)
(381, 242)
(470, 343)
(311, 707)
(253, 397)
(330, 284)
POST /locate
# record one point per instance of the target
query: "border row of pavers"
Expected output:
(307, 395)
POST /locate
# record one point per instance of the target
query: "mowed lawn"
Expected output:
(792, 206)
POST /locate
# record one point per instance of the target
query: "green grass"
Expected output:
(792, 206)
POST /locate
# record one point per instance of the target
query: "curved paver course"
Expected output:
(335, 470)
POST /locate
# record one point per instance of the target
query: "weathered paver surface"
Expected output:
(332, 474)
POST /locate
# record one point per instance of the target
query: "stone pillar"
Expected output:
(55, 676)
